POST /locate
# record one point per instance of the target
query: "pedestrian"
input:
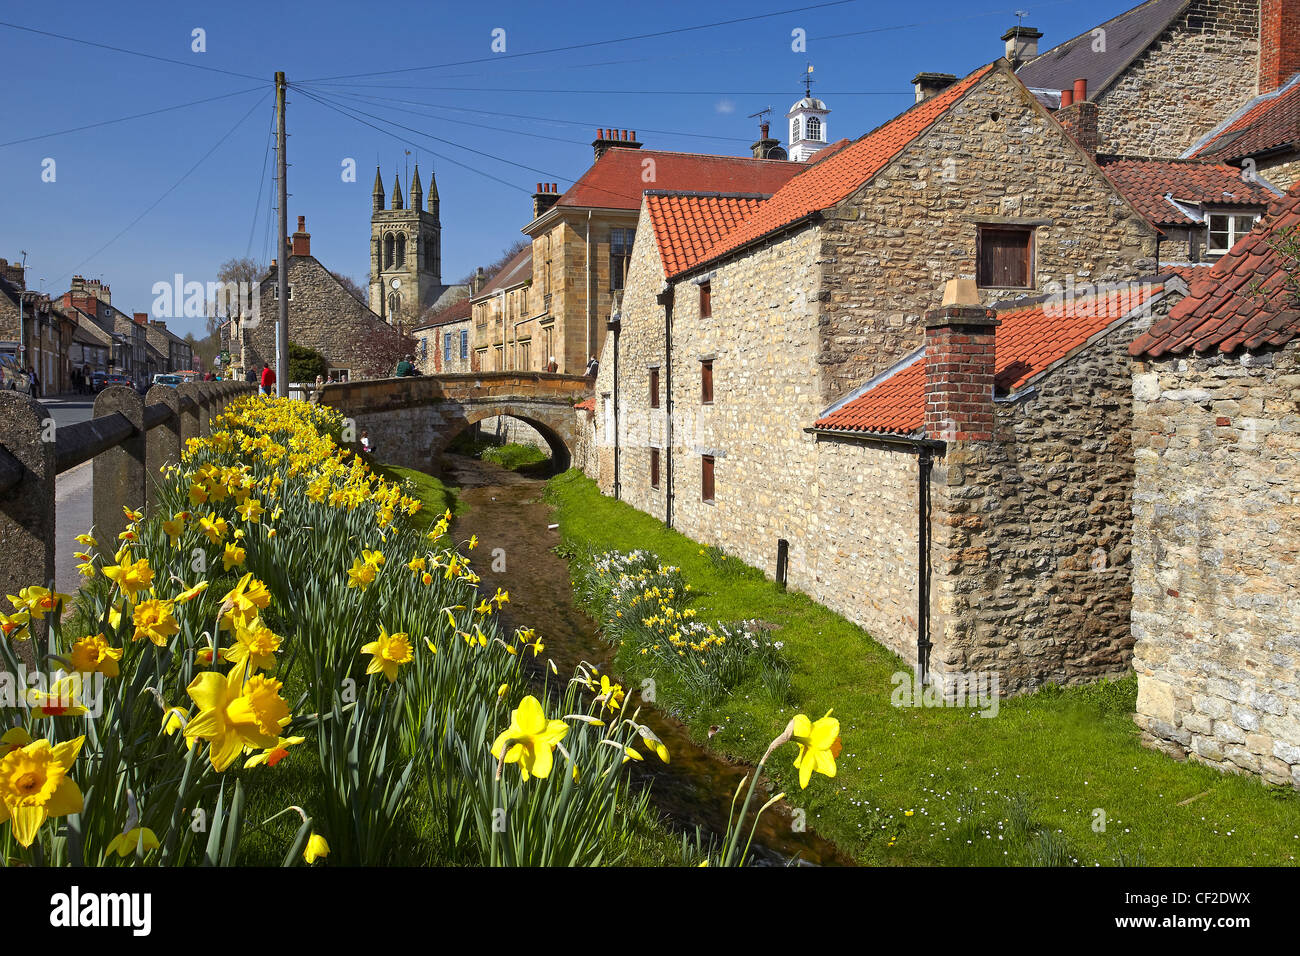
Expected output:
(593, 368)
(268, 380)
(406, 367)
(33, 383)
(552, 366)
(366, 445)
(320, 383)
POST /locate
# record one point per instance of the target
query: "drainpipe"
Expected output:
(616, 326)
(591, 345)
(501, 300)
(665, 299)
(925, 462)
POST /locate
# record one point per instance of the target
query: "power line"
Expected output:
(446, 119)
(937, 21)
(118, 49)
(123, 119)
(169, 190)
(503, 89)
(497, 57)
(257, 204)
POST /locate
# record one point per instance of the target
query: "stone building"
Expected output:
(1216, 512)
(406, 254)
(500, 307)
(33, 331)
(1262, 137)
(323, 316)
(175, 354)
(582, 239)
(443, 341)
(1164, 73)
(92, 300)
(745, 318)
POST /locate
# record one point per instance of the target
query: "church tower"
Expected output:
(405, 251)
(807, 123)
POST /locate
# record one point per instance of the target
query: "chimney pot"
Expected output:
(931, 84)
(1067, 98)
(1080, 90)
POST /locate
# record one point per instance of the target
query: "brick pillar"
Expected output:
(959, 365)
(1081, 120)
(1279, 43)
(162, 444)
(118, 474)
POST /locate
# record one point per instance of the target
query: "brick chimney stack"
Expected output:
(1279, 43)
(931, 84)
(608, 138)
(13, 272)
(959, 366)
(140, 318)
(547, 195)
(1080, 117)
(301, 242)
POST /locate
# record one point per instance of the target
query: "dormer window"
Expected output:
(814, 128)
(1225, 228)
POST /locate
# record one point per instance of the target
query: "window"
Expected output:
(706, 300)
(654, 467)
(1004, 257)
(620, 255)
(501, 358)
(446, 347)
(394, 303)
(526, 354)
(464, 344)
(275, 291)
(706, 478)
(654, 388)
(1226, 229)
(424, 349)
(794, 130)
(814, 128)
(401, 250)
(706, 381)
(388, 251)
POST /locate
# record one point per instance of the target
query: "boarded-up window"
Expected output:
(706, 300)
(706, 478)
(654, 467)
(706, 382)
(1005, 257)
(654, 388)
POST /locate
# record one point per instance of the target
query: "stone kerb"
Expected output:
(27, 508)
(119, 471)
(163, 442)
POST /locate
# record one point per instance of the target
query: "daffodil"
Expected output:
(87, 541)
(530, 739)
(819, 745)
(388, 652)
(15, 626)
(361, 574)
(95, 655)
(255, 643)
(235, 713)
(273, 755)
(13, 739)
(232, 556)
(173, 529)
(245, 600)
(37, 601)
(34, 786)
(153, 620)
(611, 695)
(215, 527)
(131, 577)
(251, 510)
(189, 594)
(141, 838)
(63, 699)
(317, 849)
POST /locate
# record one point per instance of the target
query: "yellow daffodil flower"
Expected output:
(124, 844)
(95, 655)
(819, 745)
(530, 739)
(255, 643)
(232, 556)
(15, 626)
(317, 849)
(235, 713)
(63, 699)
(131, 577)
(273, 755)
(153, 619)
(34, 786)
(388, 652)
(251, 510)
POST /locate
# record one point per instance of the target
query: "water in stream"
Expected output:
(695, 789)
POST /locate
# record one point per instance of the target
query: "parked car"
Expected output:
(165, 378)
(12, 375)
(116, 380)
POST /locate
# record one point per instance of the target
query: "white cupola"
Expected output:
(807, 123)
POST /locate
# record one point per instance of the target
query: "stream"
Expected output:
(506, 510)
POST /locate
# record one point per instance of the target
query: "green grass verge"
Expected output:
(511, 456)
(1055, 778)
(437, 497)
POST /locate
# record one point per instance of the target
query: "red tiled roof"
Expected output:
(824, 183)
(518, 269)
(1030, 338)
(1245, 301)
(617, 179)
(587, 405)
(1272, 121)
(1146, 183)
(686, 225)
(458, 311)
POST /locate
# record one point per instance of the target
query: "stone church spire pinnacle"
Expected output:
(417, 191)
(397, 191)
(377, 194)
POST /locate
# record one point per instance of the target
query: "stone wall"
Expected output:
(1216, 599)
(1283, 175)
(1202, 67)
(325, 317)
(888, 251)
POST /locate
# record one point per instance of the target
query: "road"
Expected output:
(73, 512)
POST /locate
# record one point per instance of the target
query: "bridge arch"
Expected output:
(561, 454)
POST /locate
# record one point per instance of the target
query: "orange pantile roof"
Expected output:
(1268, 122)
(1146, 182)
(1030, 338)
(587, 405)
(824, 183)
(687, 224)
(1247, 300)
(618, 179)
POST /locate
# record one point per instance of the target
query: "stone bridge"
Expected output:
(412, 420)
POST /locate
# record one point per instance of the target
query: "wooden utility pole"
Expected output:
(282, 260)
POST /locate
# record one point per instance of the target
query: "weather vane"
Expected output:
(808, 81)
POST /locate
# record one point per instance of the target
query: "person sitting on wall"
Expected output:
(593, 368)
(406, 367)
(552, 366)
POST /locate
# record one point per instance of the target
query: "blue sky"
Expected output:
(690, 91)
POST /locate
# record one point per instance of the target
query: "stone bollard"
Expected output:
(27, 507)
(190, 396)
(162, 444)
(119, 472)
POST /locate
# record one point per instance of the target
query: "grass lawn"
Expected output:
(436, 496)
(511, 456)
(1055, 778)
